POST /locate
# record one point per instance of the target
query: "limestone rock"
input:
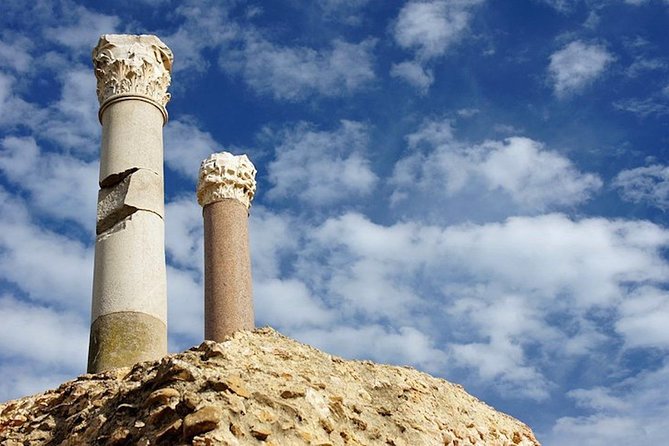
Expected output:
(258, 388)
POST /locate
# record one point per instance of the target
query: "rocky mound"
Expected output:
(258, 388)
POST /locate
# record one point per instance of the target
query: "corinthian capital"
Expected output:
(132, 66)
(224, 175)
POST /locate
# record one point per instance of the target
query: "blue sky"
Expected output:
(475, 188)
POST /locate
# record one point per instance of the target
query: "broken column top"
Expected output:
(224, 175)
(132, 67)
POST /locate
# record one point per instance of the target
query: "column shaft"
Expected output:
(132, 138)
(129, 309)
(225, 188)
(228, 301)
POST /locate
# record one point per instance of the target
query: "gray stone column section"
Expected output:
(129, 313)
(225, 189)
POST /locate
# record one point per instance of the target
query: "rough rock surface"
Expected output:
(258, 388)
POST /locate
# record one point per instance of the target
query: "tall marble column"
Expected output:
(129, 313)
(225, 189)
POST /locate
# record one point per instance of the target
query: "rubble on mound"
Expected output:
(258, 388)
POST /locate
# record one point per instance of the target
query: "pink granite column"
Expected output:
(225, 189)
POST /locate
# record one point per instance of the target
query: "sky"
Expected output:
(474, 188)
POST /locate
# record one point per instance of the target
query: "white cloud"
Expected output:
(82, 29)
(49, 267)
(634, 411)
(186, 146)
(289, 304)
(295, 73)
(590, 259)
(206, 26)
(22, 378)
(16, 54)
(14, 111)
(272, 236)
(59, 185)
(596, 431)
(523, 170)
(577, 65)
(468, 112)
(184, 233)
(185, 311)
(597, 398)
(503, 363)
(405, 346)
(513, 279)
(561, 5)
(184, 247)
(320, 167)
(534, 176)
(653, 105)
(643, 318)
(495, 291)
(431, 27)
(346, 11)
(285, 72)
(645, 185)
(78, 104)
(43, 335)
(369, 269)
(414, 74)
(642, 64)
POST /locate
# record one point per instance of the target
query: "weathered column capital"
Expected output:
(224, 175)
(132, 67)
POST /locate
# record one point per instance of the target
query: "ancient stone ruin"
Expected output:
(240, 386)
(129, 312)
(258, 388)
(226, 186)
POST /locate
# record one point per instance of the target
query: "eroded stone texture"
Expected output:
(139, 190)
(258, 387)
(133, 73)
(129, 272)
(132, 65)
(125, 338)
(224, 175)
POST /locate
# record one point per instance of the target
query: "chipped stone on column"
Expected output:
(225, 189)
(127, 272)
(129, 311)
(142, 190)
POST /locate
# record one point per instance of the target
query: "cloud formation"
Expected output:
(321, 168)
(296, 73)
(576, 66)
(532, 177)
(648, 185)
(429, 29)
(381, 230)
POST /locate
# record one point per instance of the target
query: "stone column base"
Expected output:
(125, 338)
